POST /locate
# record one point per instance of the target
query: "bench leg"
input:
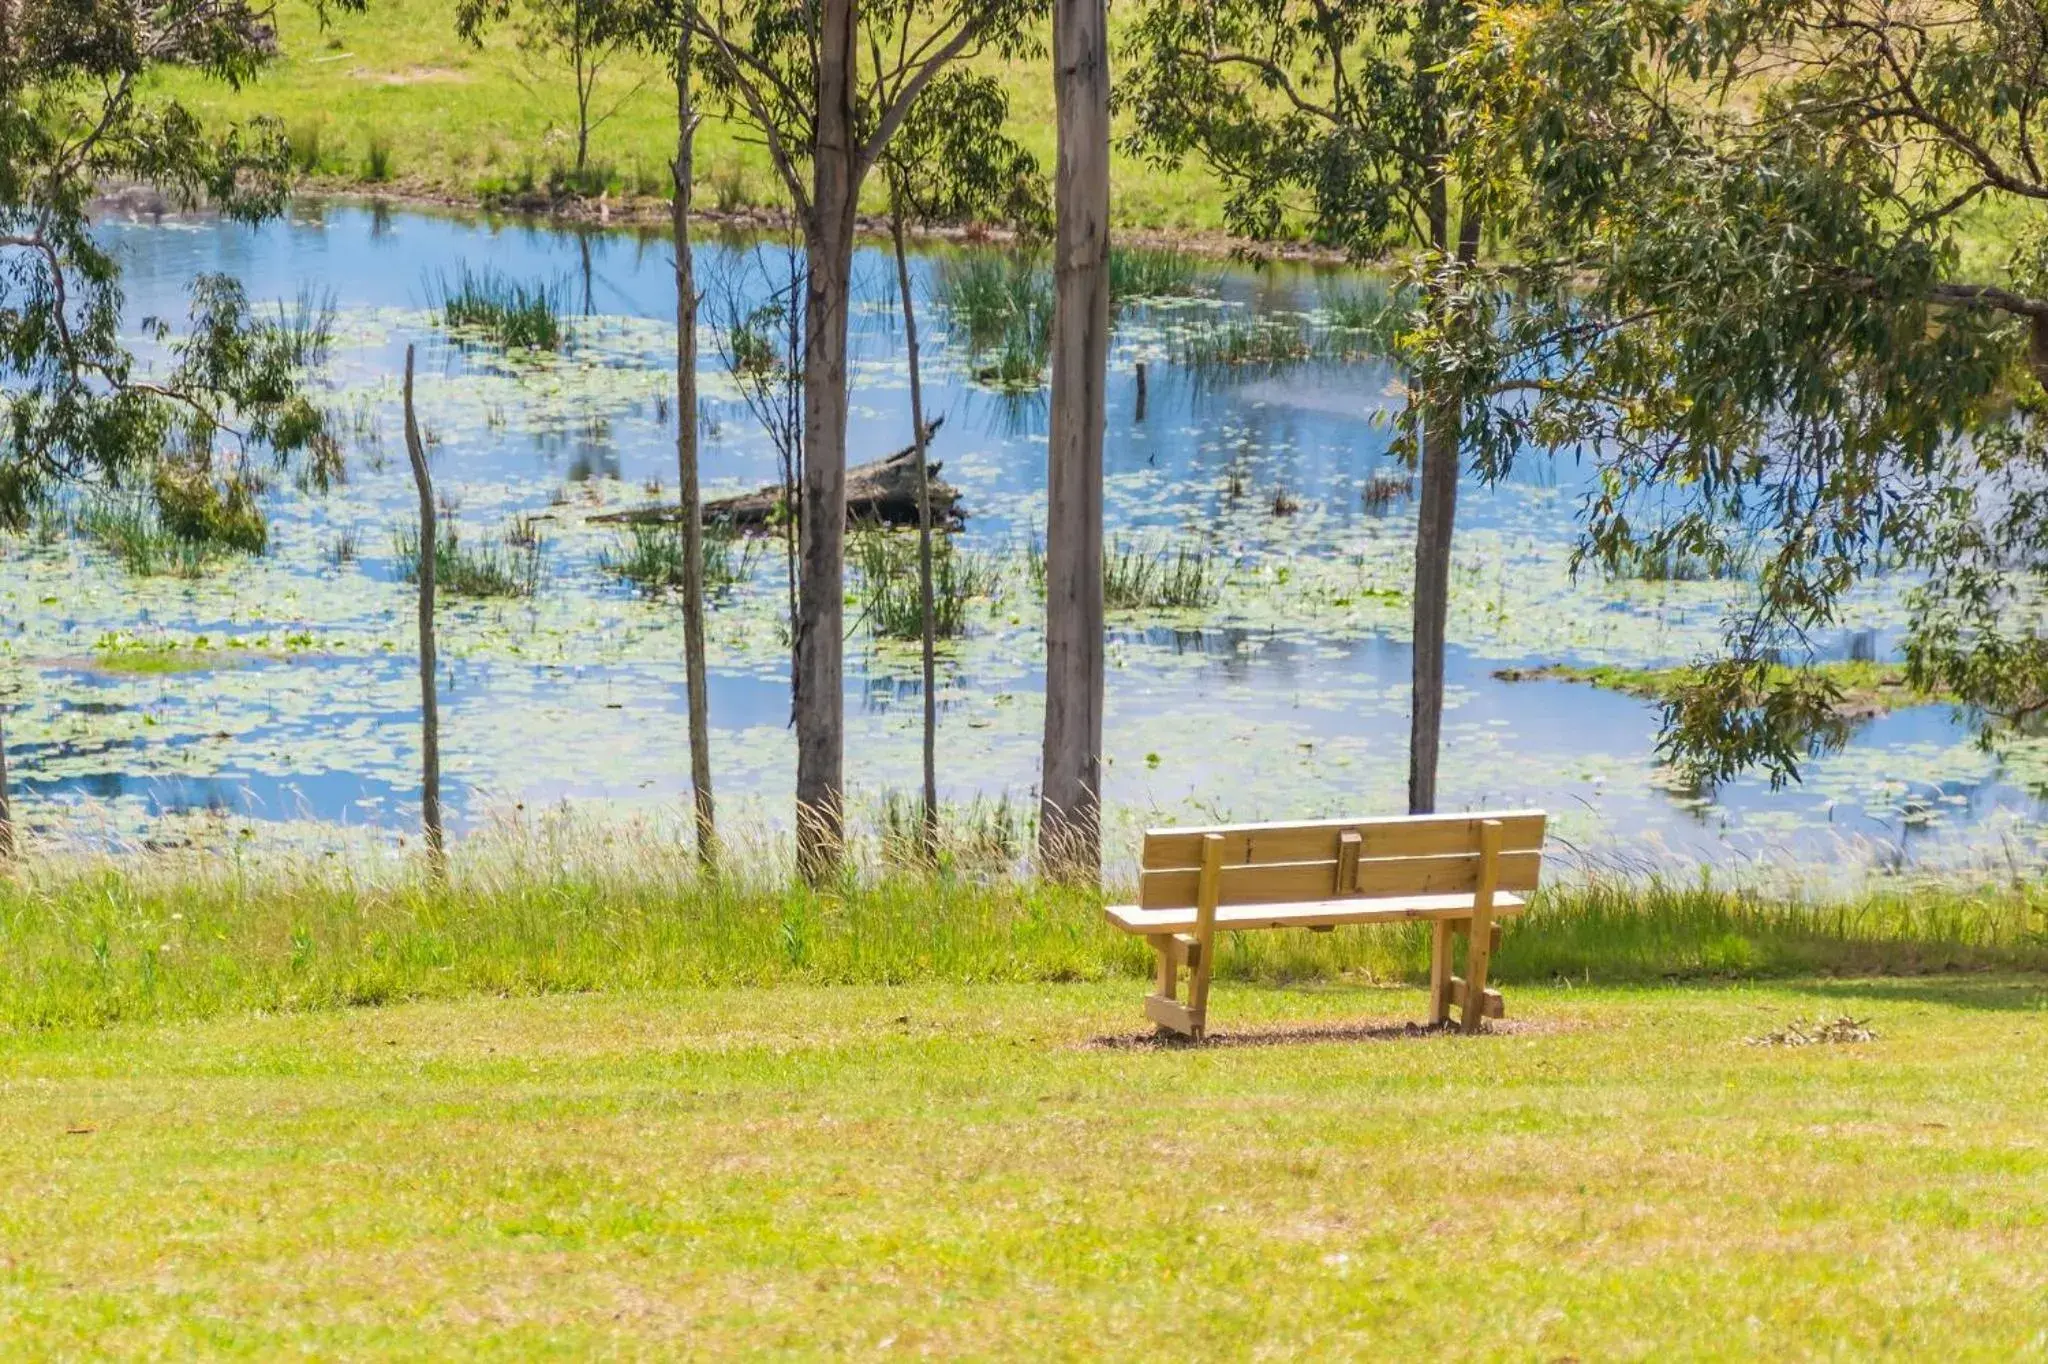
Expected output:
(1478, 949)
(1440, 972)
(1168, 952)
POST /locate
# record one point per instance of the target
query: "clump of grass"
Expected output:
(1386, 487)
(507, 312)
(303, 140)
(1134, 579)
(890, 594)
(1137, 272)
(1285, 503)
(1675, 564)
(377, 159)
(342, 548)
(983, 838)
(732, 187)
(304, 328)
(463, 570)
(1001, 306)
(1364, 316)
(1240, 343)
(140, 543)
(651, 557)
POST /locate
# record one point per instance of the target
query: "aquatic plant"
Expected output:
(889, 590)
(651, 557)
(342, 548)
(304, 328)
(1386, 487)
(1000, 304)
(1137, 272)
(461, 570)
(1241, 342)
(1668, 563)
(1134, 579)
(140, 542)
(509, 313)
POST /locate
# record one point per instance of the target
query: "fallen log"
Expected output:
(884, 491)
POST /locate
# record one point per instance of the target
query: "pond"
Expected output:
(274, 699)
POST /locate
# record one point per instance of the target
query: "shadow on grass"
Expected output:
(1304, 1036)
(2003, 994)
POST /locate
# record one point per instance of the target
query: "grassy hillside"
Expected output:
(392, 96)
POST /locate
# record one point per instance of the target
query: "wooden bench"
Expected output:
(1461, 873)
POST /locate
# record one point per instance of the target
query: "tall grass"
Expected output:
(890, 594)
(1139, 272)
(1241, 342)
(1001, 306)
(652, 559)
(1136, 579)
(141, 543)
(490, 569)
(504, 311)
(537, 910)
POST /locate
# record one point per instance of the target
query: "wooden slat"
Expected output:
(1494, 1005)
(1239, 918)
(1170, 1013)
(1315, 840)
(1289, 882)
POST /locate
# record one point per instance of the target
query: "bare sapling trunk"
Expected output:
(690, 503)
(7, 843)
(430, 711)
(820, 643)
(1070, 789)
(929, 821)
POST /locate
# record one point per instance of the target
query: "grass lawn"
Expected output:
(955, 1170)
(455, 121)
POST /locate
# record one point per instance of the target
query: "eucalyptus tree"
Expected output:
(826, 84)
(667, 29)
(950, 162)
(586, 36)
(1781, 271)
(1070, 768)
(1337, 115)
(188, 430)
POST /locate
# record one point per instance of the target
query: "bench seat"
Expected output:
(1460, 874)
(1311, 913)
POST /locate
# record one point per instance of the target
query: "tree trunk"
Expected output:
(430, 713)
(930, 822)
(1435, 516)
(688, 499)
(1070, 787)
(828, 240)
(8, 847)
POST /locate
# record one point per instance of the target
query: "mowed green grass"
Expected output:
(964, 1172)
(459, 121)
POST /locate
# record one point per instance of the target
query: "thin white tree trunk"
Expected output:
(1070, 788)
(930, 820)
(690, 498)
(8, 846)
(430, 712)
(820, 645)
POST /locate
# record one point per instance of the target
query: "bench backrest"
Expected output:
(1336, 859)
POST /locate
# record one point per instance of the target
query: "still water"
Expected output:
(275, 698)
